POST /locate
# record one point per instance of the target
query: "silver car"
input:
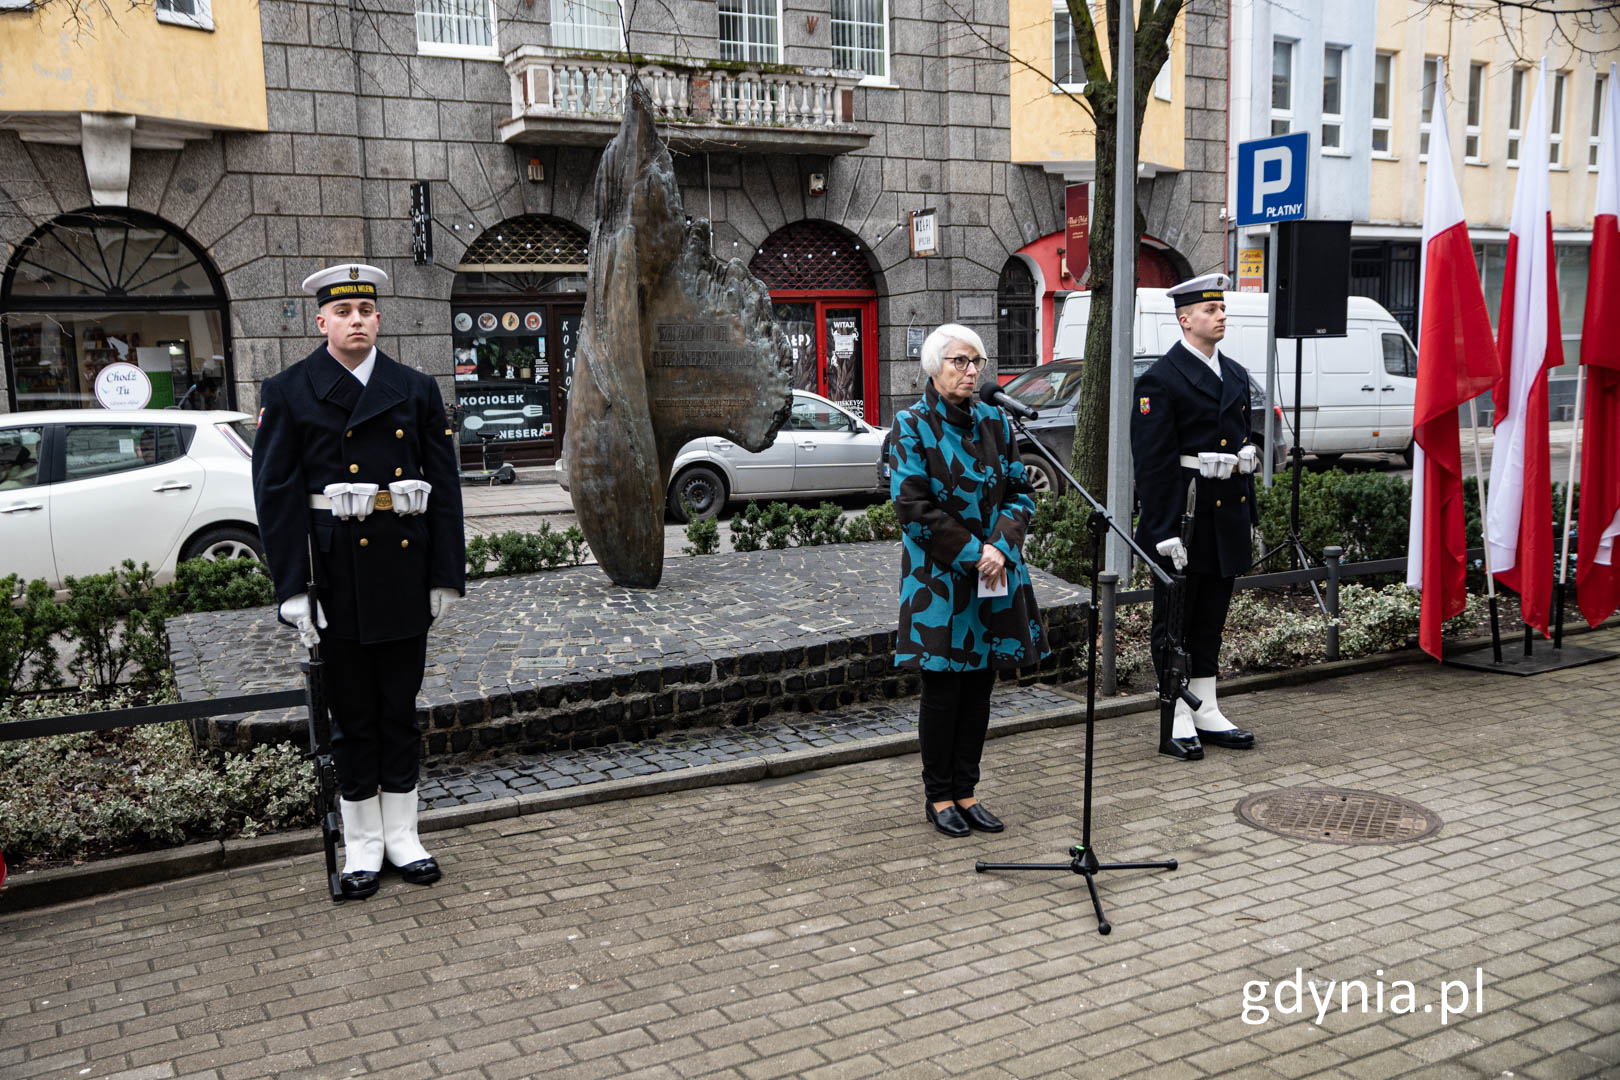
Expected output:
(822, 450)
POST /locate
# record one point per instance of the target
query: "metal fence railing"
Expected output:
(73, 723)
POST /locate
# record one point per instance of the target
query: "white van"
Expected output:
(1358, 391)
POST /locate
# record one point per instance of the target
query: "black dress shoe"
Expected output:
(1185, 749)
(948, 821)
(421, 872)
(979, 818)
(358, 884)
(1231, 739)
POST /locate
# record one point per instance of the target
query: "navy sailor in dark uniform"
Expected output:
(1191, 423)
(354, 460)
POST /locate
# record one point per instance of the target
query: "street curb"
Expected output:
(41, 888)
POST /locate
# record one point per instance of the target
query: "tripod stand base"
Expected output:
(1084, 862)
(1514, 663)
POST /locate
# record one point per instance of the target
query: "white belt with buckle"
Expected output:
(382, 501)
(1189, 461)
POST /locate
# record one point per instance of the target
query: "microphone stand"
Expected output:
(1172, 684)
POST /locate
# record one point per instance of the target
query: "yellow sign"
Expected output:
(1251, 270)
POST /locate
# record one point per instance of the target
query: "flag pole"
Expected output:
(1485, 534)
(1569, 507)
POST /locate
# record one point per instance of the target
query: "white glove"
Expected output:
(410, 496)
(1174, 550)
(1213, 466)
(1248, 459)
(439, 601)
(351, 500)
(295, 609)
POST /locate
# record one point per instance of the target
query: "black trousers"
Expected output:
(951, 723)
(371, 690)
(1208, 596)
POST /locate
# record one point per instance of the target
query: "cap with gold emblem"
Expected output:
(347, 281)
(1199, 289)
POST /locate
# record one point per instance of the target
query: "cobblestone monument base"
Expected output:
(567, 659)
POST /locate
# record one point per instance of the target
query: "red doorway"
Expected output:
(824, 295)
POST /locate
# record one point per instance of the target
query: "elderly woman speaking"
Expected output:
(966, 605)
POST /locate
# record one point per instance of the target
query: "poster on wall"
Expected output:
(506, 412)
(844, 382)
(502, 374)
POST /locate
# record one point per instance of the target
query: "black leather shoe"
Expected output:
(948, 821)
(358, 884)
(979, 818)
(1185, 749)
(421, 872)
(1232, 739)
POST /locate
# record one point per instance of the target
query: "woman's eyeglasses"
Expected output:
(962, 363)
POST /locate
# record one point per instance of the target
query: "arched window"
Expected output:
(1017, 345)
(94, 288)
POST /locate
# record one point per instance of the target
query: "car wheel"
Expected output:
(1042, 477)
(700, 487)
(224, 542)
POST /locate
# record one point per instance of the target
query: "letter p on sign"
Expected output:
(1265, 183)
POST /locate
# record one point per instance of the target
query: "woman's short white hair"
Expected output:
(933, 350)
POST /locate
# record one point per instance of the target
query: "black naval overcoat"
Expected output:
(1181, 409)
(318, 425)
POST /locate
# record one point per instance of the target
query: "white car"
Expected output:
(822, 450)
(81, 490)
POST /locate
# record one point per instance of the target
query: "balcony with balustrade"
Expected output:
(577, 99)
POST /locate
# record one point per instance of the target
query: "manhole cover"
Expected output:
(1332, 816)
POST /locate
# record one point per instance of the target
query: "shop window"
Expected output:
(1016, 344)
(113, 286)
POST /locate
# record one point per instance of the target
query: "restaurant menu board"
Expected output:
(502, 374)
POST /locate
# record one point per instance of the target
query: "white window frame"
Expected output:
(1334, 120)
(1473, 133)
(202, 20)
(1383, 123)
(883, 28)
(428, 47)
(582, 32)
(1515, 135)
(1431, 75)
(1060, 10)
(1600, 86)
(723, 42)
(1285, 115)
(1163, 87)
(1555, 121)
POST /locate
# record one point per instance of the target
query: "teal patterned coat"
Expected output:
(957, 485)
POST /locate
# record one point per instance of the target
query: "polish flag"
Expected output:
(1456, 361)
(1597, 580)
(1519, 516)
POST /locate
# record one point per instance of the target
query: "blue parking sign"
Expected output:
(1271, 178)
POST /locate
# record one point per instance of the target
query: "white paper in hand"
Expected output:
(986, 589)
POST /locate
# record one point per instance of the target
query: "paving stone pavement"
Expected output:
(814, 926)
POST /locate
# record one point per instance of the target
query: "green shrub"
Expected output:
(1057, 540)
(702, 534)
(27, 656)
(746, 534)
(96, 604)
(875, 523)
(813, 528)
(102, 792)
(222, 585)
(525, 553)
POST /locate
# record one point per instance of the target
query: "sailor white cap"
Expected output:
(346, 281)
(1199, 289)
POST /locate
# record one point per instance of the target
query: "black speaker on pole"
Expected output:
(1313, 278)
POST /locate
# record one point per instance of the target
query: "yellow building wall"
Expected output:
(126, 61)
(1412, 31)
(1049, 126)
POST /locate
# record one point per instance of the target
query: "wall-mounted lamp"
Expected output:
(818, 183)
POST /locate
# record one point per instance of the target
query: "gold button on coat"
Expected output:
(399, 472)
(404, 543)
(364, 541)
(399, 433)
(1217, 502)
(1223, 442)
(349, 434)
(1244, 498)
(354, 468)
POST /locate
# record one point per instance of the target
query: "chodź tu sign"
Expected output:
(122, 385)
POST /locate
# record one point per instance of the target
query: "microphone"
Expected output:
(990, 393)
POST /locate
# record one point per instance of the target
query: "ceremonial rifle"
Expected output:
(320, 748)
